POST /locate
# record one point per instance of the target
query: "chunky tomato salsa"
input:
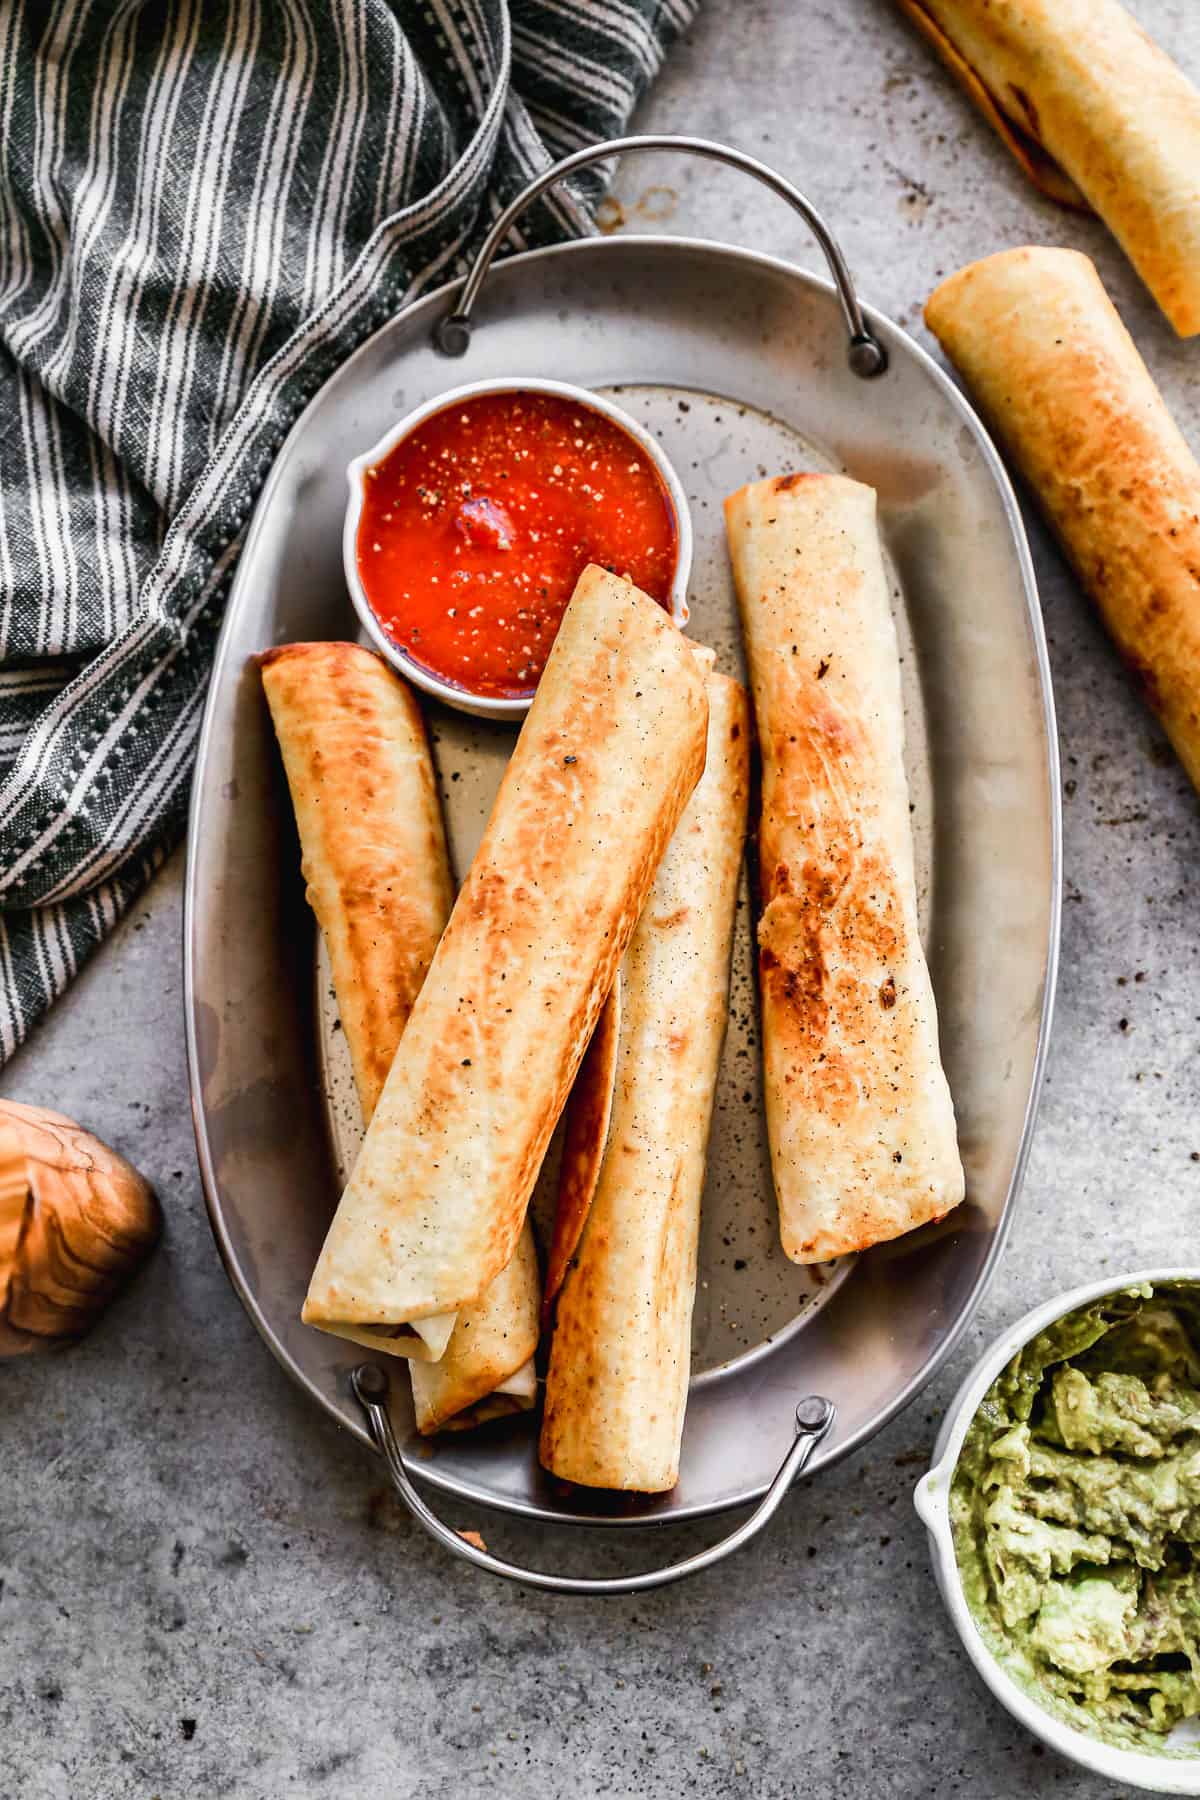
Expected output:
(476, 527)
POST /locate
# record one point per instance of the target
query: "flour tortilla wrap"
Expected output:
(859, 1114)
(1078, 82)
(619, 1360)
(1043, 351)
(1016, 136)
(487, 1367)
(487, 1370)
(607, 758)
(374, 857)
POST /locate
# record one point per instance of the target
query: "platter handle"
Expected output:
(866, 355)
(814, 1418)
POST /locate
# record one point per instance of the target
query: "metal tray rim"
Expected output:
(827, 1455)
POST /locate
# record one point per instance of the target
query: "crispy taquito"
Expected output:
(609, 753)
(620, 1355)
(859, 1115)
(373, 857)
(1096, 113)
(372, 846)
(378, 878)
(1043, 351)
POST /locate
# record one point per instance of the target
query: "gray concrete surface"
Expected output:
(204, 1590)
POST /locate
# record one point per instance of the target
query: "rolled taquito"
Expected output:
(1043, 351)
(486, 1369)
(859, 1114)
(609, 753)
(373, 858)
(378, 878)
(617, 1383)
(1081, 81)
(372, 845)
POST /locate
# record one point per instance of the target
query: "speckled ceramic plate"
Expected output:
(738, 363)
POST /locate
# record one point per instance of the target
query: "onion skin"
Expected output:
(76, 1221)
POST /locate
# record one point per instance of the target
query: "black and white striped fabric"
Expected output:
(204, 206)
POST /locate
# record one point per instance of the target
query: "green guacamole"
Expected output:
(1076, 1513)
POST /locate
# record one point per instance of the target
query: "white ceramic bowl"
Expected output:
(482, 705)
(1131, 1768)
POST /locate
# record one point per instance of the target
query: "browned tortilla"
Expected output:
(1077, 86)
(1043, 351)
(373, 851)
(1025, 149)
(487, 1369)
(609, 754)
(859, 1115)
(374, 857)
(619, 1362)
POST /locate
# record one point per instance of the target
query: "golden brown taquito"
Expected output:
(1042, 350)
(372, 846)
(1081, 80)
(374, 856)
(1017, 139)
(620, 1355)
(859, 1115)
(607, 758)
(585, 1134)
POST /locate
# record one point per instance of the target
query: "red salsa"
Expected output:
(476, 527)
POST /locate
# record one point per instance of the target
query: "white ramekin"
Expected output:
(482, 705)
(1132, 1768)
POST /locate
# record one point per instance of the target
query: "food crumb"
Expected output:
(473, 1537)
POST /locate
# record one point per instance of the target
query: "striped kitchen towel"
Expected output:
(205, 205)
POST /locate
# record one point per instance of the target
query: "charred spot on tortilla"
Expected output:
(849, 1033)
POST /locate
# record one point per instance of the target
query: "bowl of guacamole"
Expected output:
(1064, 1513)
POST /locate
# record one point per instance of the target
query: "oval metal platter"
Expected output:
(738, 363)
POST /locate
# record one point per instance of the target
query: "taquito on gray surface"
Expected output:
(1044, 353)
(374, 857)
(1082, 80)
(859, 1115)
(1032, 157)
(620, 1354)
(607, 758)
